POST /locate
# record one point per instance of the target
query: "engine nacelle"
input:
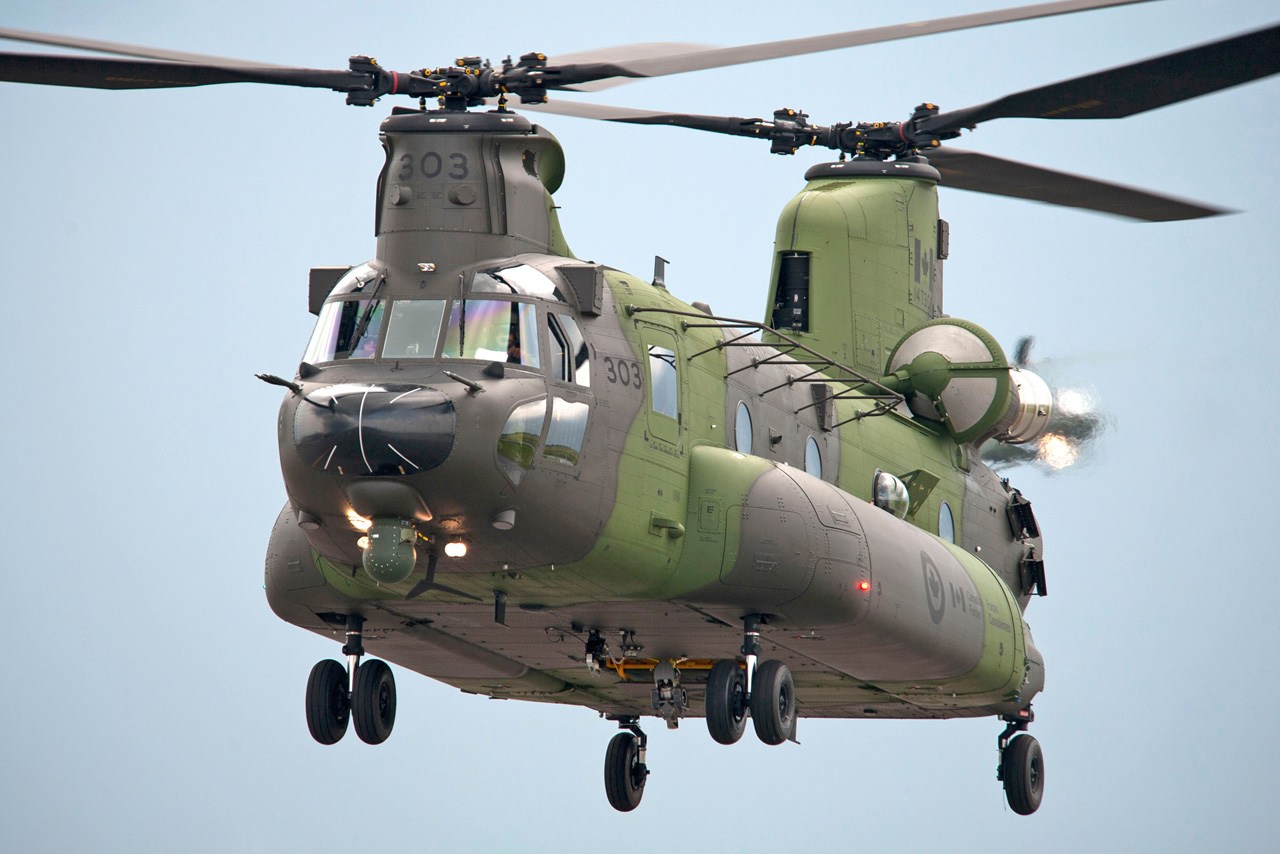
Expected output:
(954, 372)
(1033, 406)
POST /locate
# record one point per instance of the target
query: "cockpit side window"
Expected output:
(570, 358)
(519, 440)
(346, 330)
(559, 355)
(494, 330)
(567, 432)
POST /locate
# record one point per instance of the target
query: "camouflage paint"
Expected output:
(659, 529)
(874, 273)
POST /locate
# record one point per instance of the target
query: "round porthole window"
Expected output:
(813, 458)
(946, 525)
(742, 430)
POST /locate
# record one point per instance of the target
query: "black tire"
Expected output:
(1022, 769)
(773, 702)
(624, 773)
(327, 707)
(726, 701)
(373, 703)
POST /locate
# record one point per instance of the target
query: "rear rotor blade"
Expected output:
(1134, 88)
(124, 49)
(657, 59)
(104, 73)
(961, 169)
(982, 173)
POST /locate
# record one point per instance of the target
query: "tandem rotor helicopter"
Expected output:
(536, 477)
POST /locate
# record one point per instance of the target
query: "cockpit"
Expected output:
(496, 322)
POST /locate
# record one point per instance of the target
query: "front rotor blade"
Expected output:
(124, 49)
(624, 55)
(90, 72)
(982, 173)
(732, 125)
(656, 61)
(1135, 88)
(585, 110)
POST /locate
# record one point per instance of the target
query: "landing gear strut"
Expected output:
(366, 692)
(766, 691)
(1021, 768)
(625, 771)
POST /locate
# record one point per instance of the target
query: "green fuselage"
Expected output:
(621, 494)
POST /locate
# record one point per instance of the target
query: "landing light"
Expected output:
(362, 543)
(358, 522)
(455, 548)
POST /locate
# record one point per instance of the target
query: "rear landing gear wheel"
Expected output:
(624, 772)
(773, 703)
(373, 703)
(1022, 770)
(726, 701)
(327, 706)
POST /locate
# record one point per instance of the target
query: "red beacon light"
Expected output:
(864, 585)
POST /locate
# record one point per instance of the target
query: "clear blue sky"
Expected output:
(156, 248)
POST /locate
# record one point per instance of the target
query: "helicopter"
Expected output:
(576, 357)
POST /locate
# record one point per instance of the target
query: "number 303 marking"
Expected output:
(431, 165)
(625, 373)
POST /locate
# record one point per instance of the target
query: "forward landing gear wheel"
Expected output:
(327, 706)
(773, 702)
(624, 773)
(726, 701)
(1022, 770)
(373, 703)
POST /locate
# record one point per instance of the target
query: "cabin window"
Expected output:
(742, 430)
(492, 330)
(664, 381)
(946, 525)
(413, 328)
(567, 431)
(813, 458)
(346, 330)
(570, 359)
(519, 439)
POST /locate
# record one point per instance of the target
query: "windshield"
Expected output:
(493, 330)
(521, 279)
(345, 330)
(355, 280)
(413, 329)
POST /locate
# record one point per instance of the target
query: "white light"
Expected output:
(359, 522)
(1057, 451)
(362, 543)
(1073, 401)
(457, 548)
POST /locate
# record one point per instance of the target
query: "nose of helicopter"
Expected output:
(374, 429)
